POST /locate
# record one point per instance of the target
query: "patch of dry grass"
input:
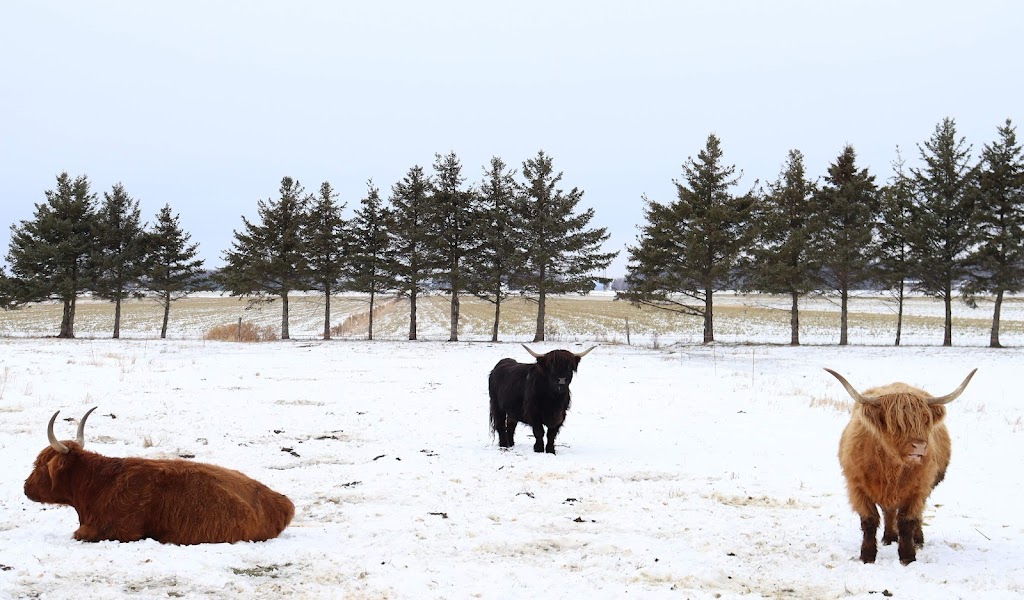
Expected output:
(358, 323)
(243, 331)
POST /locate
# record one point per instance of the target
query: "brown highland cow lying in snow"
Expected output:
(171, 501)
(894, 451)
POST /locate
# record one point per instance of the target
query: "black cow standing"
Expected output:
(536, 394)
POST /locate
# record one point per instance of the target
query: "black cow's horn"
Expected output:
(584, 353)
(56, 445)
(80, 438)
(873, 400)
(953, 396)
(532, 353)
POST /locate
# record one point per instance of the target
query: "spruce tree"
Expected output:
(325, 240)
(413, 264)
(894, 227)
(692, 246)
(781, 260)
(369, 260)
(119, 250)
(500, 257)
(943, 233)
(455, 213)
(562, 255)
(845, 229)
(172, 269)
(997, 263)
(267, 259)
(50, 256)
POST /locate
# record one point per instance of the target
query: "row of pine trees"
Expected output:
(953, 226)
(511, 231)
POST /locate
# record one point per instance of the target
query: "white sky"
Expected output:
(206, 105)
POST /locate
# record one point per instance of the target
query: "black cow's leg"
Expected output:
(510, 430)
(552, 432)
(498, 418)
(907, 527)
(538, 433)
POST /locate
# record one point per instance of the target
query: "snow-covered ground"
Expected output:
(683, 471)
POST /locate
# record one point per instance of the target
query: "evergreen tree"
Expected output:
(50, 255)
(325, 246)
(692, 246)
(997, 264)
(369, 260)
(561, 254)
(413, 265)
(119, 250)
(943, 227)
(781, 260)
(894, 227)
(845, 230)
(500, 256)
(172, 269)
(267, 259)
(455, 215)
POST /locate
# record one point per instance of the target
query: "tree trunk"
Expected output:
(284, 316)
(709, 315)
(947, 335)
(67, 321)
(899, 314)
(327, 312)
(497, 316)
(117, 318)
(167, 314)
(539, 335)
(412, 315)
(369, 331)
(454, 337)
(993, 341)
(794, 320)
(844, 316)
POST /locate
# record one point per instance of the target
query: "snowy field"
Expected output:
(683, 471)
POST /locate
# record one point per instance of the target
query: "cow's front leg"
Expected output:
(907, 527)
(538, 433)
(552, 432)
(889, 533)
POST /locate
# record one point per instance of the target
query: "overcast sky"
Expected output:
(205, 105)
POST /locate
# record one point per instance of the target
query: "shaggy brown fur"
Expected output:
(171, 501)
(893, 454)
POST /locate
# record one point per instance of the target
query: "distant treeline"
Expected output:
(952, 226)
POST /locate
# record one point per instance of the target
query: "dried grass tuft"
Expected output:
(245, 331)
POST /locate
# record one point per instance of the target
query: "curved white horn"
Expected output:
(532, 353)
(953, 396)
(80, 438)
(872, 400)
(584, 353)
(59, 447)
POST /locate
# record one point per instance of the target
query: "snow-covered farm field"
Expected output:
(683, 471)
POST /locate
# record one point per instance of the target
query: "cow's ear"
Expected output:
(542, 362)
(54, 468)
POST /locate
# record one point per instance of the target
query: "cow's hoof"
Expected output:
(538, 448)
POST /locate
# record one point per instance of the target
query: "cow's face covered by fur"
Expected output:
(558, 367)
(903, 421)
(894, 450)
(49, 482)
